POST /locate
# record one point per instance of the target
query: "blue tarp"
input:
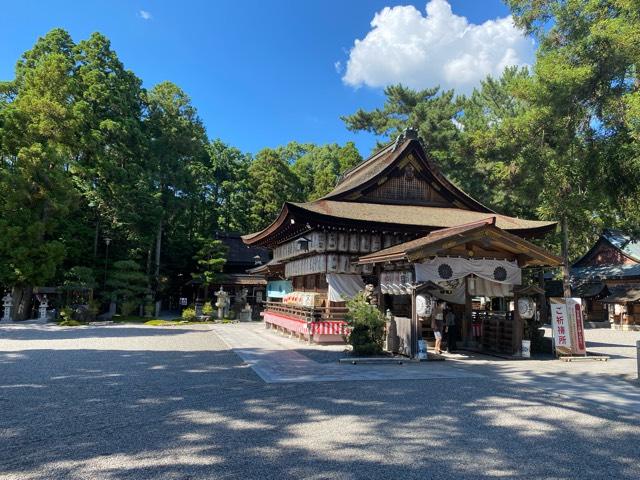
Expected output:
(279, 288)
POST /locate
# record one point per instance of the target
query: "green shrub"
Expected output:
(66, 314)
(128, 307)
(207, 309)
(189, 314)
(160, 323)
(367, 326)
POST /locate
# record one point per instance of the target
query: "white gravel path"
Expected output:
(132, 402)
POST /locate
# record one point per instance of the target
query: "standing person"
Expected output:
(437, 324)
(452, 330)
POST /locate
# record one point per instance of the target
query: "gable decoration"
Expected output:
(440, 269)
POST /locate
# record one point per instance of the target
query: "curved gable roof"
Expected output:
(415, 217)
(616, 239)
(370, 171)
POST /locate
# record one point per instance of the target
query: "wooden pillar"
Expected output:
(466, 321)
(414, 325)
(518, 326)
(377, 270)
(542, 299)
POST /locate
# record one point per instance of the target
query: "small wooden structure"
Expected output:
(498, 330)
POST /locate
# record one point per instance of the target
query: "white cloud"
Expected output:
(440, 48)
(338, 67)
(145, 15)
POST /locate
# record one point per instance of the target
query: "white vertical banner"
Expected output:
(560, 325)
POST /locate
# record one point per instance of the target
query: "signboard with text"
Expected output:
(574, 310)
(567, 326)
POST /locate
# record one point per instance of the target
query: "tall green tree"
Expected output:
(230, 187)
(430, 111)
(176, 138)
(36, 194)
(110, 143)
(497, 144)
(584, 95)
(320, 166)
(127, 284)
(272, 183)
(210, 260)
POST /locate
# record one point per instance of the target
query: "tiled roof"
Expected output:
(422, 214)
(415, 215)
(371, 169)
(240, 254)
(365, 170)
(439, 239)
(623, 294)
(605, 271)
(623, 242)
(589, 289)
(429, 239)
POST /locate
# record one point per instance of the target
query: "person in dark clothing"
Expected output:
(451, 329)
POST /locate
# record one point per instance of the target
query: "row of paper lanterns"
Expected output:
(327, 263)
(336, 241)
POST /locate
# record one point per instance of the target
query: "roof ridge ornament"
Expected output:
(407, 134)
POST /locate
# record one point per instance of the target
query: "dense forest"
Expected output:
(94, 165)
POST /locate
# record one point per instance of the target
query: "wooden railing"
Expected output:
(307, 322)
(307, 314)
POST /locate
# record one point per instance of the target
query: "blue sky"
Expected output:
(263, 73)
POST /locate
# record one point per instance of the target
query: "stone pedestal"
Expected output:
(245, 314)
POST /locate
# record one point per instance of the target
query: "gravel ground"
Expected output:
(133, 402)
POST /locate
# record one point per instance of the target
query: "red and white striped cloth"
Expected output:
(292, 324)
(328, 327)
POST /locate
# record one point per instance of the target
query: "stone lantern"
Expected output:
(7, 303)
(244, 315)
(222, 303)
(44, 303)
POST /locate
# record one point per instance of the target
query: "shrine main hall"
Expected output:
(397, 223)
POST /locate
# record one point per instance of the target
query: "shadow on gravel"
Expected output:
(203, 415)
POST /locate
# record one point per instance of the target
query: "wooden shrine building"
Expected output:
(385, 219)
(607, 278)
